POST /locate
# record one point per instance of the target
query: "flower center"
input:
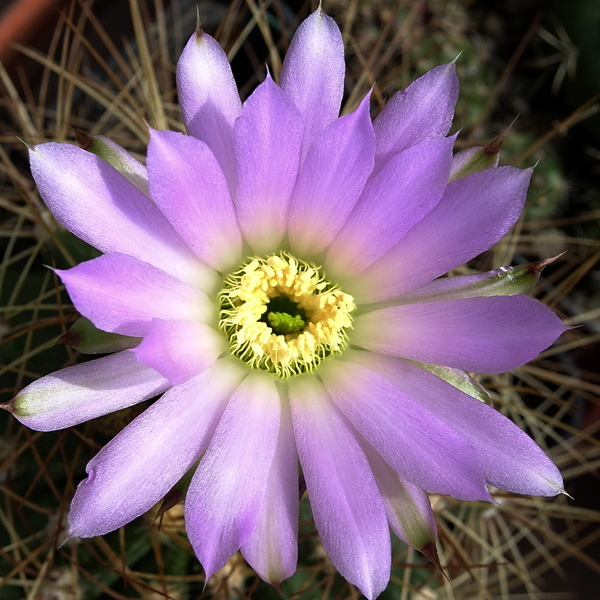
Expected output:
(281, 315)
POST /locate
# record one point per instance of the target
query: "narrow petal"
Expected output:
(208, 97)
(504, 281)
(346, 504)
(407, 506)
(410, 437)
(474, 213)
(331, 179)
(122, 160)
(268, 138)
(225, 497)
(400, 195)
(189, 187)
(272, 550)
(313, 73)
(86, 391)
(179, 350)
(424, 111)
(100, 206)
(120, 294)
(473, 159)
(510, 459)
(485, 335)
(145, 460)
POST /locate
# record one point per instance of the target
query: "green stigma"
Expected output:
(283, 323)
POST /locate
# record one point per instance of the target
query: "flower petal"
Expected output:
(474, 213)
(145, 460)
(120, 294)
(313, 73)
(268, 137)
(407, 506)
(100, 206)
(346, 504)
(486, 335)
(424, 111)
(331, 179)
(226, 495)
(272, 550)
(510, 459)
(410, 438)
(209, 99)
(86, 391)
(190, 189)
(400, 195)
(179, 350)
(504, 281)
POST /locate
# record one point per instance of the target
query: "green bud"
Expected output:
(88, 339)
(477, 158)
(472, 160)
(505, 281)
(459, 379)
(124, 162)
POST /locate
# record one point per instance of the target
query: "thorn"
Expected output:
(28, 146)
(301, 485)
(430, 551)
(8, 406)
(83, 139)
(199, 29)
(535, 268)
(494, 146)
(171, 498)
(565, 493)
(69, 338)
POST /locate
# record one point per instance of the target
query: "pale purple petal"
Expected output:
(272, 550)
(485, 335)
(313, 73)
(424, 111)
(510, 459)
(474, 213)
(346, 504)
(100, 206)
(225, 498)
(268, 137)
(120, 294)
(179, 350)
(410, 437)
(145, 460)
(400, 195)
(331, 179)
(86, 391)
(209, 99)
(407, 506)
(190, 189)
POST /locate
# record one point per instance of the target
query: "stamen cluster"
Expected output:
(244, 304)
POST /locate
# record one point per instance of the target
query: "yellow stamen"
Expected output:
(244, 303)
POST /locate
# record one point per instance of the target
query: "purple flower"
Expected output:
(278, 272)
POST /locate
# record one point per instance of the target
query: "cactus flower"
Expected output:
(276, 277)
